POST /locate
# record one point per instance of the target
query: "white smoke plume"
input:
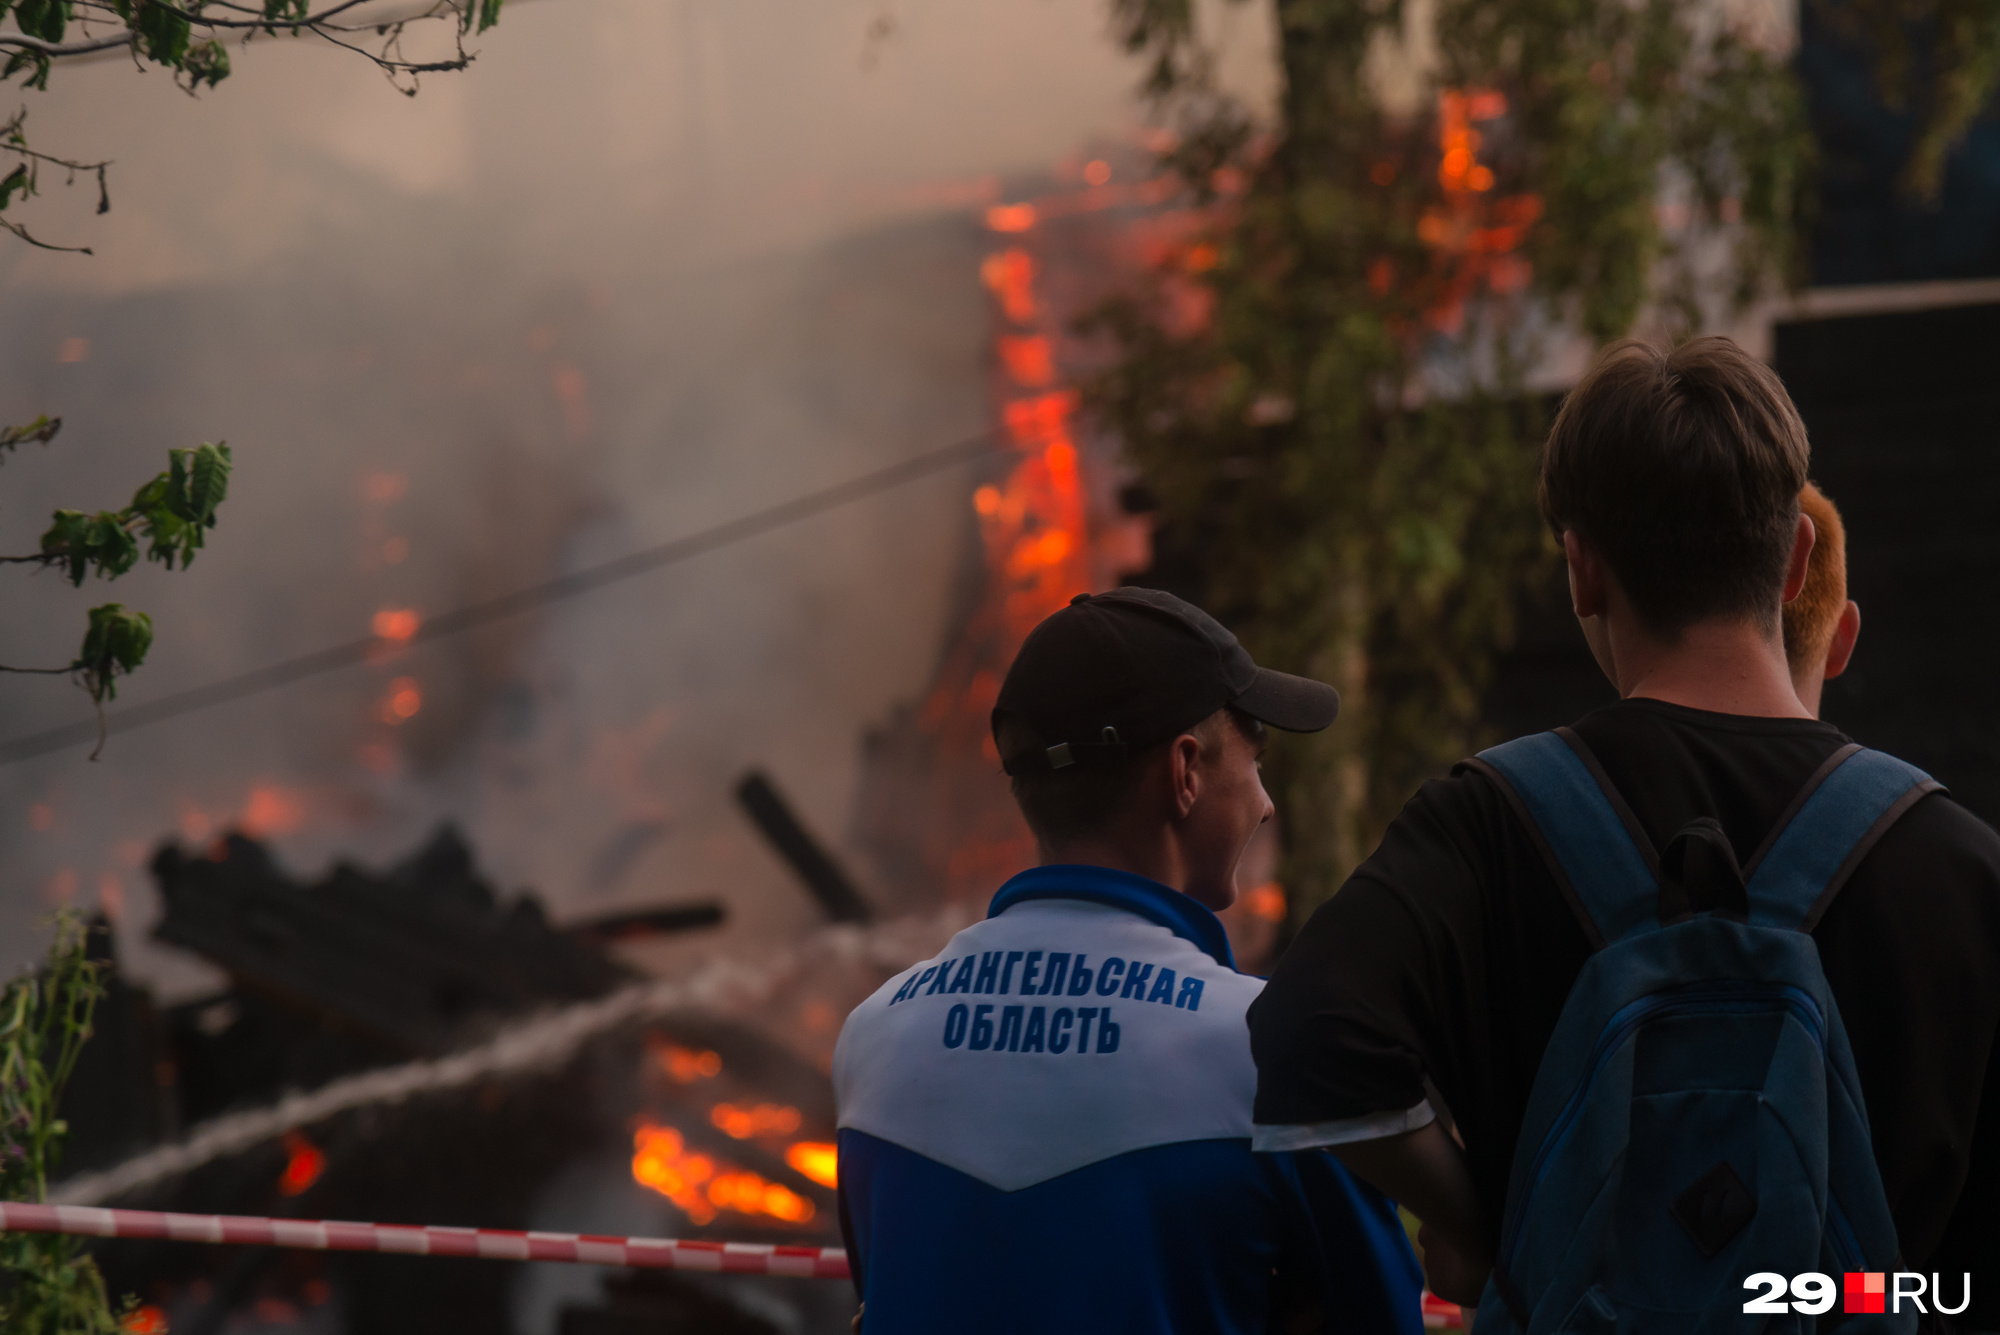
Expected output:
(646, 266)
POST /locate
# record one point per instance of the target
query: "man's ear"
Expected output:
(1803, 538)
(1586, 575)
(1183, 771)
(1845, 632)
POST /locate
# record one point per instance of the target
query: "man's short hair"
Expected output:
(1812, 617)
(1080, 800)
(1683, 469)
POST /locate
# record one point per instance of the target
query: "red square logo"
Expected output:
(1865, 1291)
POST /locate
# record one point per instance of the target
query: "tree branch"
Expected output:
(21, 42)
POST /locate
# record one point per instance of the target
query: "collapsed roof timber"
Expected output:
(362, 971)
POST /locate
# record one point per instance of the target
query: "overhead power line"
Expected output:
(457, 622)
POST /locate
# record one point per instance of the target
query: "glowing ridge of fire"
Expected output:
(817, 1160)
(702, 1188)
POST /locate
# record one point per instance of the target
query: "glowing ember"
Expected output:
(148, 1320)
(272, 810)
(816, 1160)
(303, 1166)
(397, 623)
(404, 700)
(685, 1065)
(382, 488)
(763, 1120)
(660, 1161)
(1266, 901)
(1011, 217)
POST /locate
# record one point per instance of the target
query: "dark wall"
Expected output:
(1868, 231)
(1904, 412)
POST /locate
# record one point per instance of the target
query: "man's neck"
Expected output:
(1154, 859)
(1725, 666)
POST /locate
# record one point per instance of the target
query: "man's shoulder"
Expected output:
(1940, 842)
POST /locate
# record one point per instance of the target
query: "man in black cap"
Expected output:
(1047, 1127)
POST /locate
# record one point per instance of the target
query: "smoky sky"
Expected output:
(646, 266)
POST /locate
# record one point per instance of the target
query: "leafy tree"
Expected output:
(170, 516)
(49, 1285)
(190, 38)
(1345, 432)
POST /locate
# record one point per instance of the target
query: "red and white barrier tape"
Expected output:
(735, 1258)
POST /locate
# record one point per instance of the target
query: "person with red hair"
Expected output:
(1822, 623)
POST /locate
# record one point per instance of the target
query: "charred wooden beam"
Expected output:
(823, 877)
(650, 922)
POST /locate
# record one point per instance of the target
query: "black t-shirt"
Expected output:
(1449, 953)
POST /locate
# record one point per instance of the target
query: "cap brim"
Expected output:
(1295, 704)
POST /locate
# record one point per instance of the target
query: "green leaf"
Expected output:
(18, 180)
(115, 644)
(36, 60)
(206, 63)
(80, 541)
(207, 481)
(40, 431)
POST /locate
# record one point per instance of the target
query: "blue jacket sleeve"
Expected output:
(1345, 1264)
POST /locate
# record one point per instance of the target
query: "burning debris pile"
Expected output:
(685, 1120)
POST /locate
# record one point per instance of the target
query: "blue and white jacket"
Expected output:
(1047, 1129)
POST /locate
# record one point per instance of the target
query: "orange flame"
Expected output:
(660, 1161)
(763, 1120)
(303, 1166)
(147, 1320)
(1472, 235)
(1010, 276)
(816, 1160)
(1028, 360)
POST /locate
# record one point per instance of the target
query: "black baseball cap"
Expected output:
(1114, 672)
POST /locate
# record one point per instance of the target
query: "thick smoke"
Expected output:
(648, 265)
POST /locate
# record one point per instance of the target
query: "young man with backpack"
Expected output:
(1047, 1128)
(1705, 991)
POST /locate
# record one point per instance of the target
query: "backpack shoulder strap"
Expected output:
(1602, 860)
(1836, 818)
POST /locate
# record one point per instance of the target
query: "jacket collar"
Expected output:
(1121, 890)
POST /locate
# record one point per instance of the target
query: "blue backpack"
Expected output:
(1696, 1118)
